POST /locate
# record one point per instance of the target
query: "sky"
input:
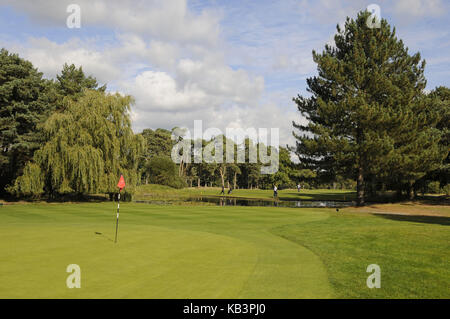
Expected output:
(229, 63)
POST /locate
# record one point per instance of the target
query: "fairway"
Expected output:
(216, 252)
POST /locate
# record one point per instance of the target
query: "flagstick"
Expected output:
(117, 220)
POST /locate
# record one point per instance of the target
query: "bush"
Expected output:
(126, 197)
(445, 189)
(433, 187)
(163, 171)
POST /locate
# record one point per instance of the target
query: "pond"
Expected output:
(235, 201)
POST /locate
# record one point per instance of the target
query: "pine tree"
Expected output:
(72, 82)
(439, 100)
(26, 100)
(364, 113)
(417, 146)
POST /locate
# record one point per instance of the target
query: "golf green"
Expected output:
(193, 252)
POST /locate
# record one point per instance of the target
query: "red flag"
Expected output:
(121, 183)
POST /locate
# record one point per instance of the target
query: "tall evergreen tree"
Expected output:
(364, 113)
(72, 82)
(26, 100)
(417, 145)
(439, 98)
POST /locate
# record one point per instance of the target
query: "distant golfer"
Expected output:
(230, 190)
(299, 187)
(223, 191)
(275, 191)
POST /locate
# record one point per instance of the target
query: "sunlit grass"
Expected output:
(219, 252)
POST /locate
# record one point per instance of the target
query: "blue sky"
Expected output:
(228, 63)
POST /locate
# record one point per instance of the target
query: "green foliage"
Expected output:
(159, 142)
(162, 170)
(72, 82)
(440, 99)
(446, 189)
(26, 100)
(126, 196)
(435, 187)
(250, 172)
(367, 118)
(31, 183)
(89, 144)
(286, 170)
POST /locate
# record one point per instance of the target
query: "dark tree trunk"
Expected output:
(410, 191)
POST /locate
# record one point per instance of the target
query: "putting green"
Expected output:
(163, 252)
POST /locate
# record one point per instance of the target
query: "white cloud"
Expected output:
(331, 11)
(302, 63)
(221, 80)
(404, 11)
(418, 8)
(49, 57)
(234, 116)
(196, 86)
(158, 91)
(170, 20)
(175, 62)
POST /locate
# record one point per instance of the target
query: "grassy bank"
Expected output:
(160, 192)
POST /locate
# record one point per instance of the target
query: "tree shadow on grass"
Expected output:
(437, 220)
(443, 200)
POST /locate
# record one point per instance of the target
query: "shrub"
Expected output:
(163, 171)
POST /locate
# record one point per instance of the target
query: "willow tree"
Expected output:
(365, 114)
(89, 144)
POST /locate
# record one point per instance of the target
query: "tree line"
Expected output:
(369, 118)
(69, 136)
(159, 168)
(62, 136)
(370, 125)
